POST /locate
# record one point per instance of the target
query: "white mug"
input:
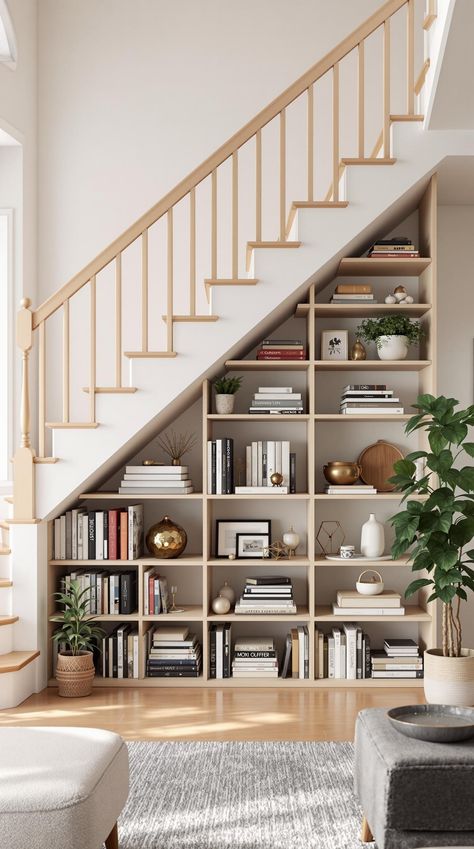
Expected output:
(346, 551)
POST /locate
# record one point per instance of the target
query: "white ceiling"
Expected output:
(456, 180)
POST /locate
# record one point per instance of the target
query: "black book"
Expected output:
(292, 473)
(105, 657)
(395, 240)
(268, 579)
(106, 534)
(286, 665)
(228, 461)
(227, 650)
(165, 663)
(212, 651)
(173, 672)
(256, 654)
(91, 525)
(367, 665)
(128, 593)
(213, 467)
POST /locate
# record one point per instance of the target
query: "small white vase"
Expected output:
(372, 538)
(225, 404)
(392, 347)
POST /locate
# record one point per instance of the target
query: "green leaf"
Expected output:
(428, 522)
(455, 432)
(445, 522)
(405, 468)
(437, 441)
(442, 497)
(445, 556)
(415, 455)
(462, 532)
(414, 507)
(469, 448)
(442, 462)
(465, 507)
(425, 402)
(466, 478)
(461, 593)
(446, 594)
(417, 585)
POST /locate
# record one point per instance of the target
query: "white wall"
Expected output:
(133, 95)
(456, 322)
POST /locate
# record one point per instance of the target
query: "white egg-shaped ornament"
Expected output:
(292, 540)
(409, 299)
(227, 592)
(221, 605)
(399, 296)
(390, 299)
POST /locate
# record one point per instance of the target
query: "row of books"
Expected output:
(282, 349)
(353, 293)
(266, 595)
(343, 653)
(255, 657)
(352, 603)
(361, 398)
(276, 401)
(107, 593)
(262, 459)
(159, 480)
(220, 466)
(99, 534)
(398, 246)
(296, 658)
(172, 652)
(155, 592)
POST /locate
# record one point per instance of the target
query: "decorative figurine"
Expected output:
(276, 479)
(227, 592)
(358, 351)
(330, 536)
(166, 539)
(221, 605)
(173, 608)
(292, 541)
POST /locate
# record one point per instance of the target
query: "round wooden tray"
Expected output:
(376, 462)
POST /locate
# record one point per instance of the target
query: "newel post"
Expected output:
(23, 461)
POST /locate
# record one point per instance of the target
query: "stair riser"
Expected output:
(6, 639)
(15, 687)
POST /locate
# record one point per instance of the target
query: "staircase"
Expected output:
(203, 275)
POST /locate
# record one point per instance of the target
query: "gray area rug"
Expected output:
(241, 796)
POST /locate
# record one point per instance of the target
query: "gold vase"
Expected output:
(166, 539)
(341, 472)
(358, 351)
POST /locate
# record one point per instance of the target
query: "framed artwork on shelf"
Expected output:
(252, 545)
(334, 345)
(227, 530)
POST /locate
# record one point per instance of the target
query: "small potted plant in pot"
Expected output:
(392, 334)
(441, 531)
(225, 388)
(75, 666)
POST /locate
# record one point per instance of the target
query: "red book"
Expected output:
(113, 535)
(151, 594)
(283, 355)
(123, 535)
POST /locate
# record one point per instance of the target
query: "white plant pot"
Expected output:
(225, 404)
(449, 680)
(372, 538)
(392, 347)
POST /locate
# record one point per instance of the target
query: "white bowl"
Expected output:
(369, 587)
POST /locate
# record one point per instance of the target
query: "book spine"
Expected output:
(224, 467)
(264, 462)
(209, 466)
(295, 654)
(113, 548)
(91, 536)
(69, 535)
(218, 466)
(292, 472)
(359, 653)
(271, 467)
(99, 535)
(123, 535)
(351, 648)
(367, 657)
(74, 514)
(229, 457)
(106, 535)
(156, 597)
(248, 465)
(337, 652)
(254, 463)
(227, 651)
(259, 463)
(126, 604)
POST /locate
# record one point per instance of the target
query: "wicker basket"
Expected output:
(449, 680)
(75, 674)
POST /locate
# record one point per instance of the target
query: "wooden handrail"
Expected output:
(226, 150)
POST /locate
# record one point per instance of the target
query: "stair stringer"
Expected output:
(164, 386)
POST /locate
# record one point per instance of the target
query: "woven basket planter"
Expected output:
(449, 680)
(75, 674)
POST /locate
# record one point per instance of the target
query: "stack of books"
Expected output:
(353, 293)
(351, 603)
(398, 246)
(173, 653)
(255, 657)
(220, 466)
(99, 534)
(296, 660)
(220, 650)
(156, 480)
(263, 458)
(266, 594)
(369, 398)
(281, 349)
(120, 653)
(109, 594)
(344, 653)
(400, 659)
(350, 489)
(276, 401)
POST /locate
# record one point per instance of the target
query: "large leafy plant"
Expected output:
(77, 629)
(441, 527)
(371, 329)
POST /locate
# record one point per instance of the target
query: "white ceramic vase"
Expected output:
(392, 347)
(372, 538)
(225, 404)
(449, 680)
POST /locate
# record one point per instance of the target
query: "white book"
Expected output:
(261, 490)
(80, 538)
(252, 673)
(248, 465)
(57, 541)
(374, 411)
(271, 459)
(112, 579)
(367, 611)
(396, 674)
(331, 658)
(337, 652)
(158, 476)
(276, 396)
(74, 533)
(351, 650)
(146, 576)
(278, 465)
(218, 466)
(259, 463)
(285, 462)
(301, 641)
(151, 470)
(99, 535)
(320, 654)
(353, 297)
(136, 670)
(63, 537)
(120, 652)
(209, 467)
(254, 464)
(254, 644)
(151, 483)
(220, 651)
(269, 389)
(347, 399)
(155, 490)
(343, 653)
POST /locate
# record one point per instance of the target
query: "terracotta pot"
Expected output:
(75, 674)
(449, 680)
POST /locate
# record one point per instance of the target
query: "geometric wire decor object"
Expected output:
(330, 536)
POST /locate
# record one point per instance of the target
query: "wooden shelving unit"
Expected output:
(316, 579)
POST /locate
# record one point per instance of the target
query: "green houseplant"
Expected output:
(439, 530)
(225, 388)
(80, 635)
(392, 334)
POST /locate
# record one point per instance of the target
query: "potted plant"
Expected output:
(225, 388)
(75, 666)
(441, 531)
(392, 334)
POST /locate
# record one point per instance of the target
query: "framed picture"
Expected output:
(334, 345)
(227, 530)
(252, 545)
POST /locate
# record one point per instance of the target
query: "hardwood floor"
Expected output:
(190, 714)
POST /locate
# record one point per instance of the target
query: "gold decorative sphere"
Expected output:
(166, 539)
(276, 479)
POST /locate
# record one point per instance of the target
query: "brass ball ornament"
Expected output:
(276, 479)
(166, 539)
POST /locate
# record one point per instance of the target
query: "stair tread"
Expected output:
(143, 355)
(45, 460)
(231, 281)
(6, 619)
(277, 244)
(368, 161)
(395, 118)
(192, 318)
(13, 661)
(5, 583)
(111, 390)
(4, 524)
(4, 549)
(71, 425)
(320, 204)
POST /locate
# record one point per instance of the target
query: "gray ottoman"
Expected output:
(413, 794)
(61, 788)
